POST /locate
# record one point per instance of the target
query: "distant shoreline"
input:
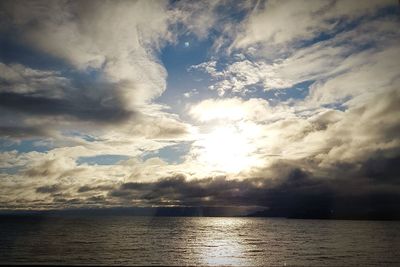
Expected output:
(190, 212)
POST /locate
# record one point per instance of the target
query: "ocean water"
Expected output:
(118, 240)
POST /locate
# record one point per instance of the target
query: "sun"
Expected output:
(228, 149)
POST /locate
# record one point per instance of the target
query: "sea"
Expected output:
(206, 241)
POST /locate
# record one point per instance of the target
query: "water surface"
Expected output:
(118, 240)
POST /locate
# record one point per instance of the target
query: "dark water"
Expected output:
(198, 241)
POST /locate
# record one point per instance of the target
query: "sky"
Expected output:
(284, 105)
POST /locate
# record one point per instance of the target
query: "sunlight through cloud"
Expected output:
(227, 148)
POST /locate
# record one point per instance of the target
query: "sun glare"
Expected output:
(227, 148)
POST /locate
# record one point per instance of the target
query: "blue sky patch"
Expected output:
(25, 146)
(172, 154)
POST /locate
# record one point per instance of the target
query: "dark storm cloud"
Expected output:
(82, 108)
(210, 190)
(372, 191)
(26, 93)
(48, 189)
(87, 188)
(22, 132)
(382, 169)
(31, 93)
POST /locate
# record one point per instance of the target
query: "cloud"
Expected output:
(323, 167)
(198, 17)
(97, 188)
(282, 22)
(84, 35)
(339, 66)
(47, 93)
(368, 73)
(110, 71)
(240, 76)
(332, 151)
(298, 193)
(23, 132)
(230, 109)
(48, 189)
(324, 137)
(17, 78)
(80, 108)
(160, 125)
(191, 93)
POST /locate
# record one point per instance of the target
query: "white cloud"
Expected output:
(209, 67)
(118, 38)
(191, 93)
(282, 22)
(241, 75)
(198, 16)
(369, 73)
(342, 66)
(232, 109)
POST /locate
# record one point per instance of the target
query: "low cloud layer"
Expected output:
(372, 190)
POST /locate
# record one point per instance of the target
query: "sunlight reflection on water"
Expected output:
(225, 246)
(119, 240)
